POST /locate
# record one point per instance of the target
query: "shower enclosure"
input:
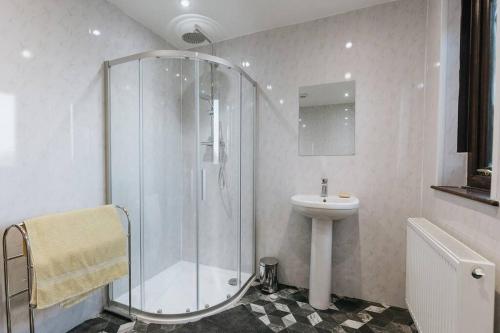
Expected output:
(180, 132)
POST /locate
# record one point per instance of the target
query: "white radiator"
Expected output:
(449, 287)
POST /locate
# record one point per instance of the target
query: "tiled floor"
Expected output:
(285, 311)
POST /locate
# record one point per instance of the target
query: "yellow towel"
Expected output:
(75, 253)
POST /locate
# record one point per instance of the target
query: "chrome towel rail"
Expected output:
(26, 252)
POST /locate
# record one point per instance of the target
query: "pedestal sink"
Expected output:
(323, 211)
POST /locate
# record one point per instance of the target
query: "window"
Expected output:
(475, 105)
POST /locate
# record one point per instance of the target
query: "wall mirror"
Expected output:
(327, 119)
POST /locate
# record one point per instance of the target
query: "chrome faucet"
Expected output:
(324, 187)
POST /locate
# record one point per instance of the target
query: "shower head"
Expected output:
(196, 37)
(193, 37)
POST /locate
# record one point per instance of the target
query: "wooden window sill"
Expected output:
(478, 195)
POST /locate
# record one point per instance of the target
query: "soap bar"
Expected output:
(344, 195)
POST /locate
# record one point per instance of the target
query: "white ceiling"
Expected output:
(226, 19)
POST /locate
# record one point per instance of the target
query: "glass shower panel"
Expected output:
(181, 133)
(248, 92)
(168, 85)
(124, 164)
(219, 207)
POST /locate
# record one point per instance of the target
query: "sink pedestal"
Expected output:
(323, 211)
(320, 275)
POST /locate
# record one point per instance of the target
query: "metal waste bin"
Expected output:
(268, 274)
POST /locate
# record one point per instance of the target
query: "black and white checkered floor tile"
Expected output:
(285, 311)
(288, 311)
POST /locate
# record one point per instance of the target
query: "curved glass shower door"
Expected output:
(180, 158)
(169, 185)
(124, 159)
(219, 208)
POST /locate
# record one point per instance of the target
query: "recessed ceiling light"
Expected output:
(96, 32)
(282, 101)
(346, 94)
(185, 3)
(348, 45)
(347, 76)
(26, 54)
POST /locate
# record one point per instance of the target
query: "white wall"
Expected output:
(387, 62)
(52, 113)
(475, 224)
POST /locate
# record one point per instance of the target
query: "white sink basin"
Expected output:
(332, 208)
(323, 212)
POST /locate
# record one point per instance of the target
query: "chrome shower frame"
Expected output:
(175, 54)
(149, 317)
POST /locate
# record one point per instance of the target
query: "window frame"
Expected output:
(475, 105)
